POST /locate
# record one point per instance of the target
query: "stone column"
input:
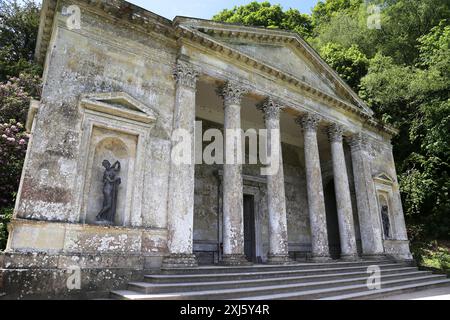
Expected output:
(342, 191)
(233, 210)
(180, 218)
(316, 201)
(366, 199)
(278, 237)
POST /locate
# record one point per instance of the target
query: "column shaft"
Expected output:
(181, 180)
(276, 199)
(342, 191)
(233, 211)
(366, 199)
(316, 202)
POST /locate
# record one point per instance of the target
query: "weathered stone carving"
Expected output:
(185, 74)
(270, 108)
(231, 93)
(335, 132)
(309, 121)
(110, 187)
(358, 142)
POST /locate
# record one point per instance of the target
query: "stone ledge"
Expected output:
(70, 238)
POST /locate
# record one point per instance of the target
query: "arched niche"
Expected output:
(385, 214)
(112, 149)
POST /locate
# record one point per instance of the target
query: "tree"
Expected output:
(266, 15)
(19, 82)
(19, 23)
(323, 12)
(417, 100)
(351, 64)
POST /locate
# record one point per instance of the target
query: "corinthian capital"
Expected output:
(309, 121)
(231, 93)
(335, 132)
(270, 108)
(185, 74)
(357, 141)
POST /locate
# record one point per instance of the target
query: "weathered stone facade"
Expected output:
(121, 84)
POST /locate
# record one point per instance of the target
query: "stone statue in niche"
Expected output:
(385, 219)
(111, 183)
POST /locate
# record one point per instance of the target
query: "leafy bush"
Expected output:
(5, 217)
(15, 96)
(13, 146)
(432, 255)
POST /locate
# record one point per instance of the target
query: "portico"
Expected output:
(324, 142)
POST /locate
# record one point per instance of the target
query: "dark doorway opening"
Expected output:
(332, 221)
(249, 228)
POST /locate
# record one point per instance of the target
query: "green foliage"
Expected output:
(324, 12)
(5, 217)
(15, 97)
(350, 63)
(432, 255)
(19, 22)
(19, 82)
(416, 99)
(266, 15)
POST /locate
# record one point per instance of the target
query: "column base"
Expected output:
(278, 259)
(321, 259)
(235, 260)
(179, 261)
(349, 257)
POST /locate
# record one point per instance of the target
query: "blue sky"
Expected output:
(207, 8)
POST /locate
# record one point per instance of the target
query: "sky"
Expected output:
(207, 8)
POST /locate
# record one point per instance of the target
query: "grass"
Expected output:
(433, 255)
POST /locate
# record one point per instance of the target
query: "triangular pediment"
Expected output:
(384, 178)
(289, 61)
(281, 50)
(119, 104)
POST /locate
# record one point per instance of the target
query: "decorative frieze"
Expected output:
(185, 74)
(270, 108)
(309, 121)
(335, 132)
(231, 93)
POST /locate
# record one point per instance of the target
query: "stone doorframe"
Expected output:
(248, 189)
(255, 192)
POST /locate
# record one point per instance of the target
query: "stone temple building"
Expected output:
(119, 80)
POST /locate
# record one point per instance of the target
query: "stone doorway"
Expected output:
(249, 228)
(332, 221)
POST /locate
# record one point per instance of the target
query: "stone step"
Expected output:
(418, 282)
(144, 287)
(236, 276)
(264, 267)
(304, 290)
(373, 294)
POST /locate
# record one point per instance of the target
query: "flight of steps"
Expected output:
(336, 281)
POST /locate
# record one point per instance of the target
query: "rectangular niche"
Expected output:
(115, 127)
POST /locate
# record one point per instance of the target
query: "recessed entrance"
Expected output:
(249, 228)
